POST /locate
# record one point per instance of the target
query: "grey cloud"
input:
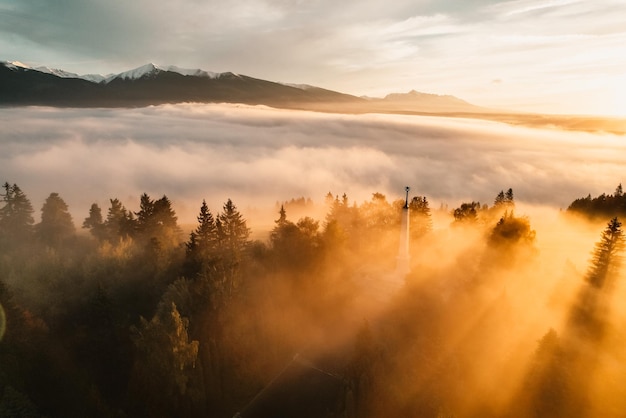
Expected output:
(258, 156)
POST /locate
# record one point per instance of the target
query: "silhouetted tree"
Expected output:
(16, 216)
(602, 206)
(56, 224)
(282, 218)
(606, 259)
(232, 231)
(504, 200)
(202, 243)
(157, 223)
(232, 237)
(509, 197)
(466, 213)
(500, 199)
(294, 245)
(512, 230)
(95, 223)
(120, 223)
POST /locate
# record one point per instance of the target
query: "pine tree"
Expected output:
(232, 231)
(232, 235)
(157, 223)
(606, 258)
(508, 198)
(16, 216)
(166, 222)
(120, 223)
(202, 243)
(282, 216)
(95, 223)
(56, 222)
(145, 216)
(500, 199)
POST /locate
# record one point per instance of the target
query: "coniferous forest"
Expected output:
(127, 313)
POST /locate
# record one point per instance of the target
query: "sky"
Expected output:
(551, 56)
(258, 156)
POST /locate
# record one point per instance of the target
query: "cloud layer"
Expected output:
(257, 156)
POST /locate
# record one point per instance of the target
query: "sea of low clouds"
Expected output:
(258, 156)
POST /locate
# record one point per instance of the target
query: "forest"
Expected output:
(127, 313)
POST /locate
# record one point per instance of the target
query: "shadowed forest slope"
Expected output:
(131, 315)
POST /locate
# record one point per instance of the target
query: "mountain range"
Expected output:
(150, 84)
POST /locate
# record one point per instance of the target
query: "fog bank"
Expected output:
(258, 155)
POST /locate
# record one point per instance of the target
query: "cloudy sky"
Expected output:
(557, 56)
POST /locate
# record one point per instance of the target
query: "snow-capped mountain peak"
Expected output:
(146, 70)
(57, 72)
(136, 73)
(150, 70)
(16, 64)
(191, 72)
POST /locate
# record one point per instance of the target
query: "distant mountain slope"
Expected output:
(426, 102)
(150, 85)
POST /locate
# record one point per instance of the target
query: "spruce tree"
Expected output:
(16, 216)
(606, 258)
(120, 223)
(202, 243)
(56, 222)
(95, 223)
(232, 230)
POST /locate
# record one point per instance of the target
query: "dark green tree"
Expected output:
(202, 243)
(56, 224)
(164, 363)
(120, 223)
(293, 245)
(232, 242)
(232, 230)
(601, 207)
(95, 223)
(157, 223)
(16, 216)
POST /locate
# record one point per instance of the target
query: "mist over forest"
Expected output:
(258, 155)
(221, 260)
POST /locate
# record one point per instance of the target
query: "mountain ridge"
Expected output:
(151, 71)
